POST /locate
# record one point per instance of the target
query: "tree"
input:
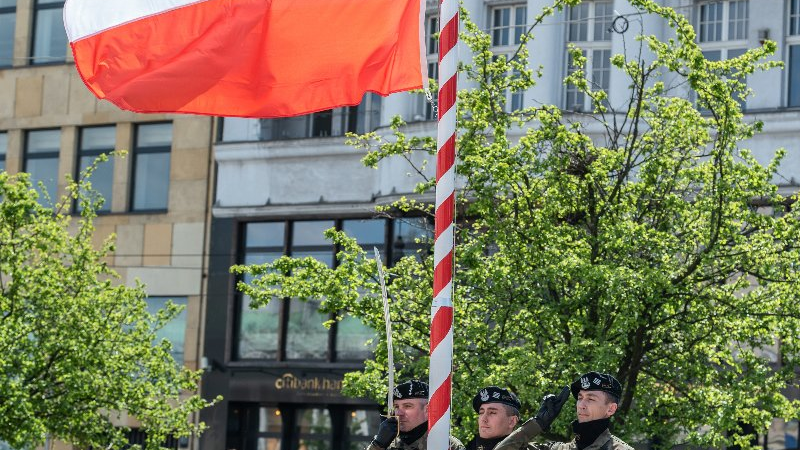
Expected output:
(77, 349)
(631, 240)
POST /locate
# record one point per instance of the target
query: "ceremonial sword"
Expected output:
(390, 352)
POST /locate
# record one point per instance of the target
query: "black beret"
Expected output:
(494, 394)
(411, 389)
(596, 381)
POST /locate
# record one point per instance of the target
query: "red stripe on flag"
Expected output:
(440, 326)
(443, 274)
(255, 58)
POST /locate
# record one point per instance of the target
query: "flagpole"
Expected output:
(441, 360)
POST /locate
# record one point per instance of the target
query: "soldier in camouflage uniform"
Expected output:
(597, 396)
(408, 428)
(498, 415)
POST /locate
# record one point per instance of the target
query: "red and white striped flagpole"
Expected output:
(441, 363)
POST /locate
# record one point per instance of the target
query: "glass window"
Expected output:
(41, 160)
(361, 426)
(293, 329)
(175, 330)
(737, 20)
(508, 25)
(151, 165)
(431, 33)
(3, 149)
(589, 27)
(313, 429)
(254, 427)
(575, 98)
(333, 122)
(8, 12)
(723, 20)
(259, 329)
(411, 236)
(94, 142)
(307, 337)
(603, 16)
(578, 22)
(792, 434)
(794, 75)
(49, 36)
(794, 18)
(711, 22)
(601, 69)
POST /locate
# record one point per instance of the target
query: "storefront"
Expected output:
(278, 369)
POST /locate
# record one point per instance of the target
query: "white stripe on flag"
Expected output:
(83, 18)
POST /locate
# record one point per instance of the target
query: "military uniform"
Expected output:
(522, 438)
(419, 444)
(492, 395)
(388, 430)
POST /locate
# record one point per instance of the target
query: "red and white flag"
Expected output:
(246, 58)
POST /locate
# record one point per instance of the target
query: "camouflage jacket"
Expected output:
(522, 437)
(419, 444)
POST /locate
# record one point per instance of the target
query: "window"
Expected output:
(723, 20)
(794, 18)
(306, 337)
(139, 437)
(313, 429)
(8, 11)
(793, 40)
(3, 149)
(41, 160)
(792, 434)
(49, 36)
(723, 30)
(290, 329)
(95, 141)
(151, 161)
(175, 330)
(333, 122)
(424, 109)
(299, 427)
(589, 28)
(507, 25)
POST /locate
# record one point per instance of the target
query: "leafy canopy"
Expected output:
(641, 239)
(77, 349)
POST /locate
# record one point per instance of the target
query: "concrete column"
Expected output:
(122, 168)
(66, 159)
(22, 32)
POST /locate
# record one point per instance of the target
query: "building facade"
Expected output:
(156, 198)
(280, 182)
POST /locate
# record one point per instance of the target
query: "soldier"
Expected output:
(498, 415)
(411, 414)
(598, 396)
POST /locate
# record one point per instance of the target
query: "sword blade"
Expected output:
(388, 320)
